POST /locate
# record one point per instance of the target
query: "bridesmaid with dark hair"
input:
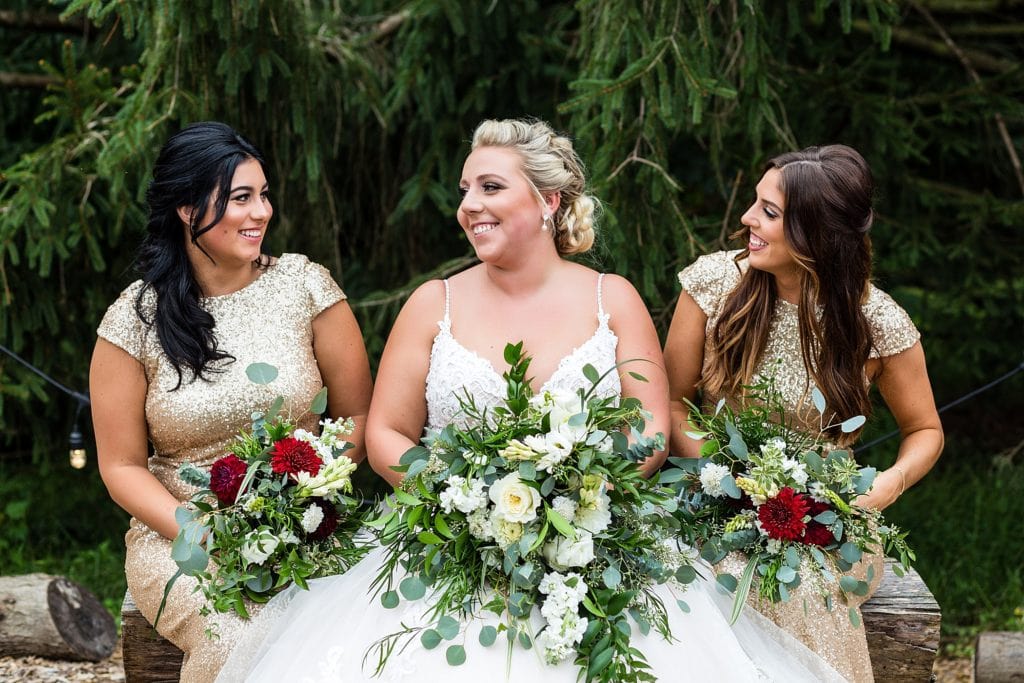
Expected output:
(167, 380)
(797, 302)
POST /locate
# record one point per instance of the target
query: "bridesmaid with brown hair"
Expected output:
(797, 302)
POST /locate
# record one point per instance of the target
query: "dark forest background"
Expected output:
(364, 109)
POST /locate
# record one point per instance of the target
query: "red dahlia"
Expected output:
(816, 532)
(291, 456)
(225, 477)
(783, 516)
(328, 524)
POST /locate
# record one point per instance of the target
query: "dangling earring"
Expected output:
(544, 224)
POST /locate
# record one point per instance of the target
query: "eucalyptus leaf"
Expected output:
(430, 639)
(456, 655)
(261, 373)
(818, 399)
(319, 404)
(853, 424)
(448, 627)
(412, 588)
(488, 634)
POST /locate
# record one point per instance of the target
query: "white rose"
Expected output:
(596, 516)
(513, 500)
(563, 553)
(258, 546)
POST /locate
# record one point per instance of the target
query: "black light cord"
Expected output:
(83, 399)
(76, 441)
(968, 395)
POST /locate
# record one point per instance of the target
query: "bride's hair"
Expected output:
(551, 165)
(827, 215)
(194, 166)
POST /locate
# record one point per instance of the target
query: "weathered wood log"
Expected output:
(148, 656)
(53, 617)
(999, 657)
(902, 622)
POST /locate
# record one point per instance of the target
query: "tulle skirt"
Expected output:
(329, 633)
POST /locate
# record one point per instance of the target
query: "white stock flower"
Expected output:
(311, 518)
(817, 492)
(565, 506)
(558, 445)
(288, 538)
(562, 553)
(258, 546)
(514, 501)
(711, 476)
(558, 404)
(796, 469)
(463, 495)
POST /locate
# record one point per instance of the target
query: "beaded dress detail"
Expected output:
(268, 321)
(455, 370)
(710, 280)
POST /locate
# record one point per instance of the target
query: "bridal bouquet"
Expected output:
(537, 503)
(271, 512)
(783, 497)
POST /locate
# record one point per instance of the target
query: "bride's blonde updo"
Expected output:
(550, 164)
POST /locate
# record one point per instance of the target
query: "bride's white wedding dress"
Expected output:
(328, 632)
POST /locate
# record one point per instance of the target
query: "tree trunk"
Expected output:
(52, 617)
(999, 657)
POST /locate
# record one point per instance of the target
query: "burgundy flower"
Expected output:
(783, 516)
(817, 533)
(328, 524)
(226, 476)
(291, 456)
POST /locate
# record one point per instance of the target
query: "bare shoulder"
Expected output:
(425, 306)
(620, 296)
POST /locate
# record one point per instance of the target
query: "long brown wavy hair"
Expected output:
(827, 215)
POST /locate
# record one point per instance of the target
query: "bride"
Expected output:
(524, 209)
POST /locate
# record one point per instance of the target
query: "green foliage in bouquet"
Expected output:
(537, 503)
(272, 512)
(784, 497)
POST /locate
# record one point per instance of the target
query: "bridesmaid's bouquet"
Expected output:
(538, 503)
(272, 512)
(783, 497)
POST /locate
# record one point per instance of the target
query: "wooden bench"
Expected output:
(901, 619)
(148, 656)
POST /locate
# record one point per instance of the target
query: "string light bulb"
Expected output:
(77, 442)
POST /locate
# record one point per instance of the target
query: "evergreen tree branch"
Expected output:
(11, 79)
(962, 56)
(41, 21)
(940, 48)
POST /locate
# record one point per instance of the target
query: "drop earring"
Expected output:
(544, 224)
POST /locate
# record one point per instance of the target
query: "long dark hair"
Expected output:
(828, 193)
(195, 165)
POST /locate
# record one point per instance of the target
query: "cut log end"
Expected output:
(50, 616)
(999, 657)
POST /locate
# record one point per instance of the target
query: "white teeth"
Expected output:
(757, 241)
(483, 227)
(250, 233)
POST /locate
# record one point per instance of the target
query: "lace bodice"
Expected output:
(454, 369)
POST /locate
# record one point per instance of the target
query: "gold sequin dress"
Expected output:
(269, 321)
(709, 280)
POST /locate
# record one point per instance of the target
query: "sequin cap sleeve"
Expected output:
(317, 282)
(892, 330)
(121, 325)
(709, 279)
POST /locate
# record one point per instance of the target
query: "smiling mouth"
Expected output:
(483, 227)
(253, 234)
(757, 242)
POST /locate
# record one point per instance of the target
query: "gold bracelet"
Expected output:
(903, 479)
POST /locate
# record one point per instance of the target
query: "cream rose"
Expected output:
(513, 500)
(563, 553)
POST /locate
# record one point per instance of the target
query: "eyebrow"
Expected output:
(248, 188)
(486, 176)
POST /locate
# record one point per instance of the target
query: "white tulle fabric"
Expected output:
(328, 633)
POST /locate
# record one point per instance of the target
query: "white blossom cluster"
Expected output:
(711, 476)
(464, 495)
(565, 627)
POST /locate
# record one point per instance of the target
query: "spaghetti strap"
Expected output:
(601, 315)
(447, 304)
